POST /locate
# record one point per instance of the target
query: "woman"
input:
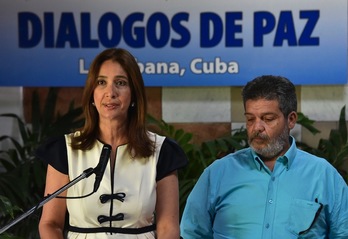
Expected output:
(138, 193)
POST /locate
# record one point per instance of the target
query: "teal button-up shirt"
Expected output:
(238, 197)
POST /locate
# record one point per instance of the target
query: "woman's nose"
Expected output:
(111, 91)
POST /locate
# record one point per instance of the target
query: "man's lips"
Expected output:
(258, 139)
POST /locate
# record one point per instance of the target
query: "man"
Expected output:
(271, 190)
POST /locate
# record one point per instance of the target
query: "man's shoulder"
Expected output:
(309, 157)
(312, 161)
(233, 158)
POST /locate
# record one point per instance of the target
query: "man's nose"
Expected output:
(259, 125)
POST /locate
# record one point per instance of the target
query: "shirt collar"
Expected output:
(287, 159)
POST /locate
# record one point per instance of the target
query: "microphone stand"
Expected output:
(85, 174)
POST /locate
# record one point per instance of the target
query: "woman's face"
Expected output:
(112, 95)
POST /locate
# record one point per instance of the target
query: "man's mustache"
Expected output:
(258, 135)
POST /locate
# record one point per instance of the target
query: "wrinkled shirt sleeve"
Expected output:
(197, 218)
(339, 214)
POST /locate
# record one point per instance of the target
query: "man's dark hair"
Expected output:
(271, 87)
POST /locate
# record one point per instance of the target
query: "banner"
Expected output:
(176, 43)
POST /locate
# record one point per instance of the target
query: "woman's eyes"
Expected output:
(101, 82)
(118, 83)
(121, 83)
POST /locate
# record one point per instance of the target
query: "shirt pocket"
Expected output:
(302, 216)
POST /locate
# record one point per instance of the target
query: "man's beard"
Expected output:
(273, 147)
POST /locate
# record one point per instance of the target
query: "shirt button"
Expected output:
(273, 178)
(267, 225)
(270, 201)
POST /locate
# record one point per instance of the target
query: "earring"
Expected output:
(93, 103)
(133, 104)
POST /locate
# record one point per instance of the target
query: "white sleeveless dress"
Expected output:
(124, 204)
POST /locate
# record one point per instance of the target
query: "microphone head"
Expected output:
(100, 168)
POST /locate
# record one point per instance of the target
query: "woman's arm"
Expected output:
(167, 207)
(52, 221)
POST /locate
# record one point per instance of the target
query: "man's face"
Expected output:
(267, 128)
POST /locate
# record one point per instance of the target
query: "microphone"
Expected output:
(100, 169)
